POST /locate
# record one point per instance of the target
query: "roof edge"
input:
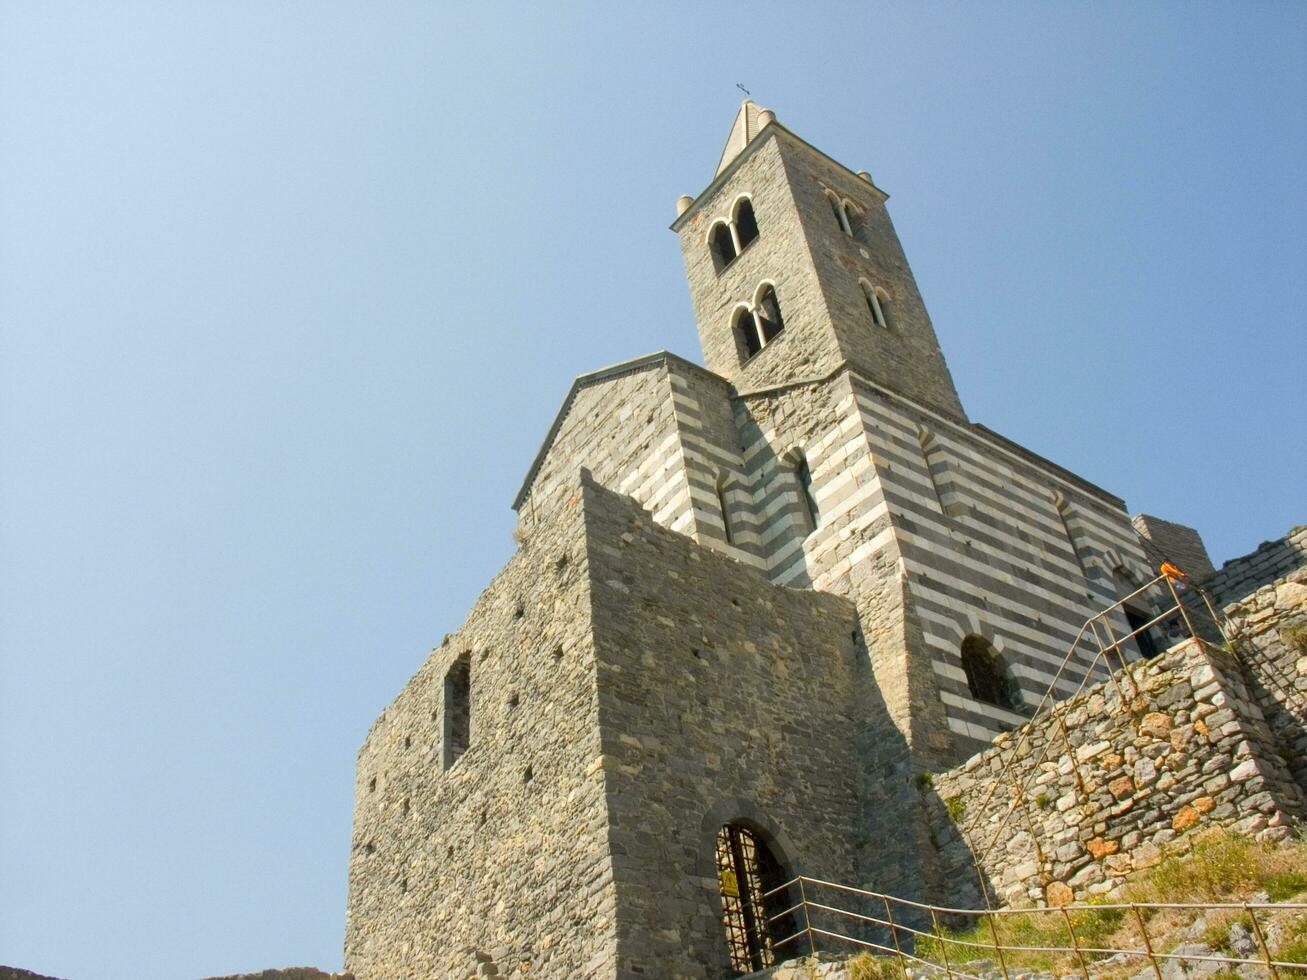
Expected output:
(721, 178)
(631, 366)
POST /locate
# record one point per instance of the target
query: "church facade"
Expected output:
(754, 601)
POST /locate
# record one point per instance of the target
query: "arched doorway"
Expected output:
(753, 920)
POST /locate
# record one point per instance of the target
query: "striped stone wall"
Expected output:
(994, 544)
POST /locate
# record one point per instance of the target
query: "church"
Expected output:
(755, 603)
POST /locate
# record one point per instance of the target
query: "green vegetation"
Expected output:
(1296, 636)
(864, 966)
(1221, 867)
(956, 808)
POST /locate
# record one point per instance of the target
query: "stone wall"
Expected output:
(723, 697)
(1108, 782)
(806, 348)
(503, 858)
(1166, 541)
(1241, 577)
(993, 542)
(1269, 631)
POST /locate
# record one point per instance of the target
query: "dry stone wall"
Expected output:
(1241, 577)
(1269, 630)
(1108, 782)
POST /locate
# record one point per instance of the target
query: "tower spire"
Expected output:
(749, 122)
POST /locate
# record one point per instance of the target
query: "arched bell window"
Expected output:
(988, 676)
(727, 238)
(757, 325)
(753, 920)
(837, 208)
(877, 303)
(722, 244)
(768, 311)
(746, 225)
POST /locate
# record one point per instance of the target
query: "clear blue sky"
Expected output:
(289, 294)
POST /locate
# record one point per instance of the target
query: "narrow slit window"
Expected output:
(1064, 513)
(726, 511)
(930, 456)
(806, 495)
(458, 709)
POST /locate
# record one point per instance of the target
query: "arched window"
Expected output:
(885, 307)
(855, 220)
(458, 709)
(837, 208)
(726, 511)
(722, 244)
(769, 313)
(874, 307)
(807, 497)
(757, 326)
(728, 238)
(746, 225)
(1139, 621)
(746, 329)
(746, 871)
(987, 675)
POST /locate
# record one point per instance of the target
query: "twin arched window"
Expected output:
(727, 239)
(987, 676)
(847, 214)
(755, 326)
(878, 304)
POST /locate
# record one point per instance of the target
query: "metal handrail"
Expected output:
(1075, 950)
(1049, 699)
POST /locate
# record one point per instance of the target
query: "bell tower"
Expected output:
(795, 270)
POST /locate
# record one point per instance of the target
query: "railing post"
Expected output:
(807, 922)
(943, 943)
(1184, 613)
(1212, 612)
(1120, 655)
(998, 950)
(894, 933)
(1148, 946)
(1107, 663)
(1075, 942)
(1261, 941)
